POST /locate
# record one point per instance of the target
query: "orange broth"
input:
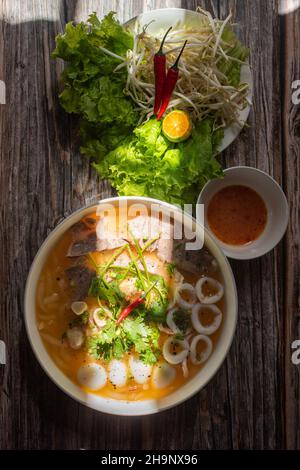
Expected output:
(54, 314)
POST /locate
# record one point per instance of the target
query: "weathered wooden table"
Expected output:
(253, 401)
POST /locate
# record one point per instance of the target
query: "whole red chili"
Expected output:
(169, 85)
(159, 74)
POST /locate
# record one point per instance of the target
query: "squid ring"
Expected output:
(187, 304)
(212, 327)
(216, 285)
(172, 324)
(178, 357)
(195, 359)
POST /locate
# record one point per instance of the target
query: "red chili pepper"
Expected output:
(127, 310)
(159, 74)
(169, 85)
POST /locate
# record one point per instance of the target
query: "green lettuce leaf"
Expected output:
(138, 161)
(92, 87)
(147, 164)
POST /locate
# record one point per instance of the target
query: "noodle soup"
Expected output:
(130, 316)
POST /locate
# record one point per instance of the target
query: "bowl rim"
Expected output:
(130, 411)
(283, 227)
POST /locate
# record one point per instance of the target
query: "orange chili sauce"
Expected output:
(237, 215)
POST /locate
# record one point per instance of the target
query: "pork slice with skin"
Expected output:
(146, 228)
(143, 228)
(83, 228)
(80, 278)
(193, 261)
(83, 246)
(84, 239)
(107, 236)
(152, 264)
(91, 238)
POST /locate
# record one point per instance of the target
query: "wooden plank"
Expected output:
(32, 201)
(43, 177)
(291, 172)
(255, 368)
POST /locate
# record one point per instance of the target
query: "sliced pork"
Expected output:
(193, 261)
(151, 262)
(83, 246)
(80, 278)
(145, 228)
(91, 238)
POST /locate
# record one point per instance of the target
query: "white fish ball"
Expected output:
(141, 372)
(117, 373)
(163, 375)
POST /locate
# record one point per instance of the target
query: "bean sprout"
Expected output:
(203, 89)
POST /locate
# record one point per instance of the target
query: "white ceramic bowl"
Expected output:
(119, 407)
(159, 21)
(276, 204)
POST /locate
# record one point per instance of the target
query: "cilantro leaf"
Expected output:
(132, 334)
(109, 292)
(171, 268)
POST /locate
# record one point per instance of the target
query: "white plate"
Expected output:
(162, 19)
(122, 407)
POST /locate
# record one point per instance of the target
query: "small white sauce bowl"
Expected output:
(274, 199)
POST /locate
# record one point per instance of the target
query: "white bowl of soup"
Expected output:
(130, 306)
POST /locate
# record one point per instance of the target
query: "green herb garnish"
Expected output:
(133, 333)
(80, 320)
(109, 292)
(171, 268)
(182, 320)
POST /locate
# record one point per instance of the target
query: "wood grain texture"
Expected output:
(259, 281)
(253, 401)
(291, 172)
